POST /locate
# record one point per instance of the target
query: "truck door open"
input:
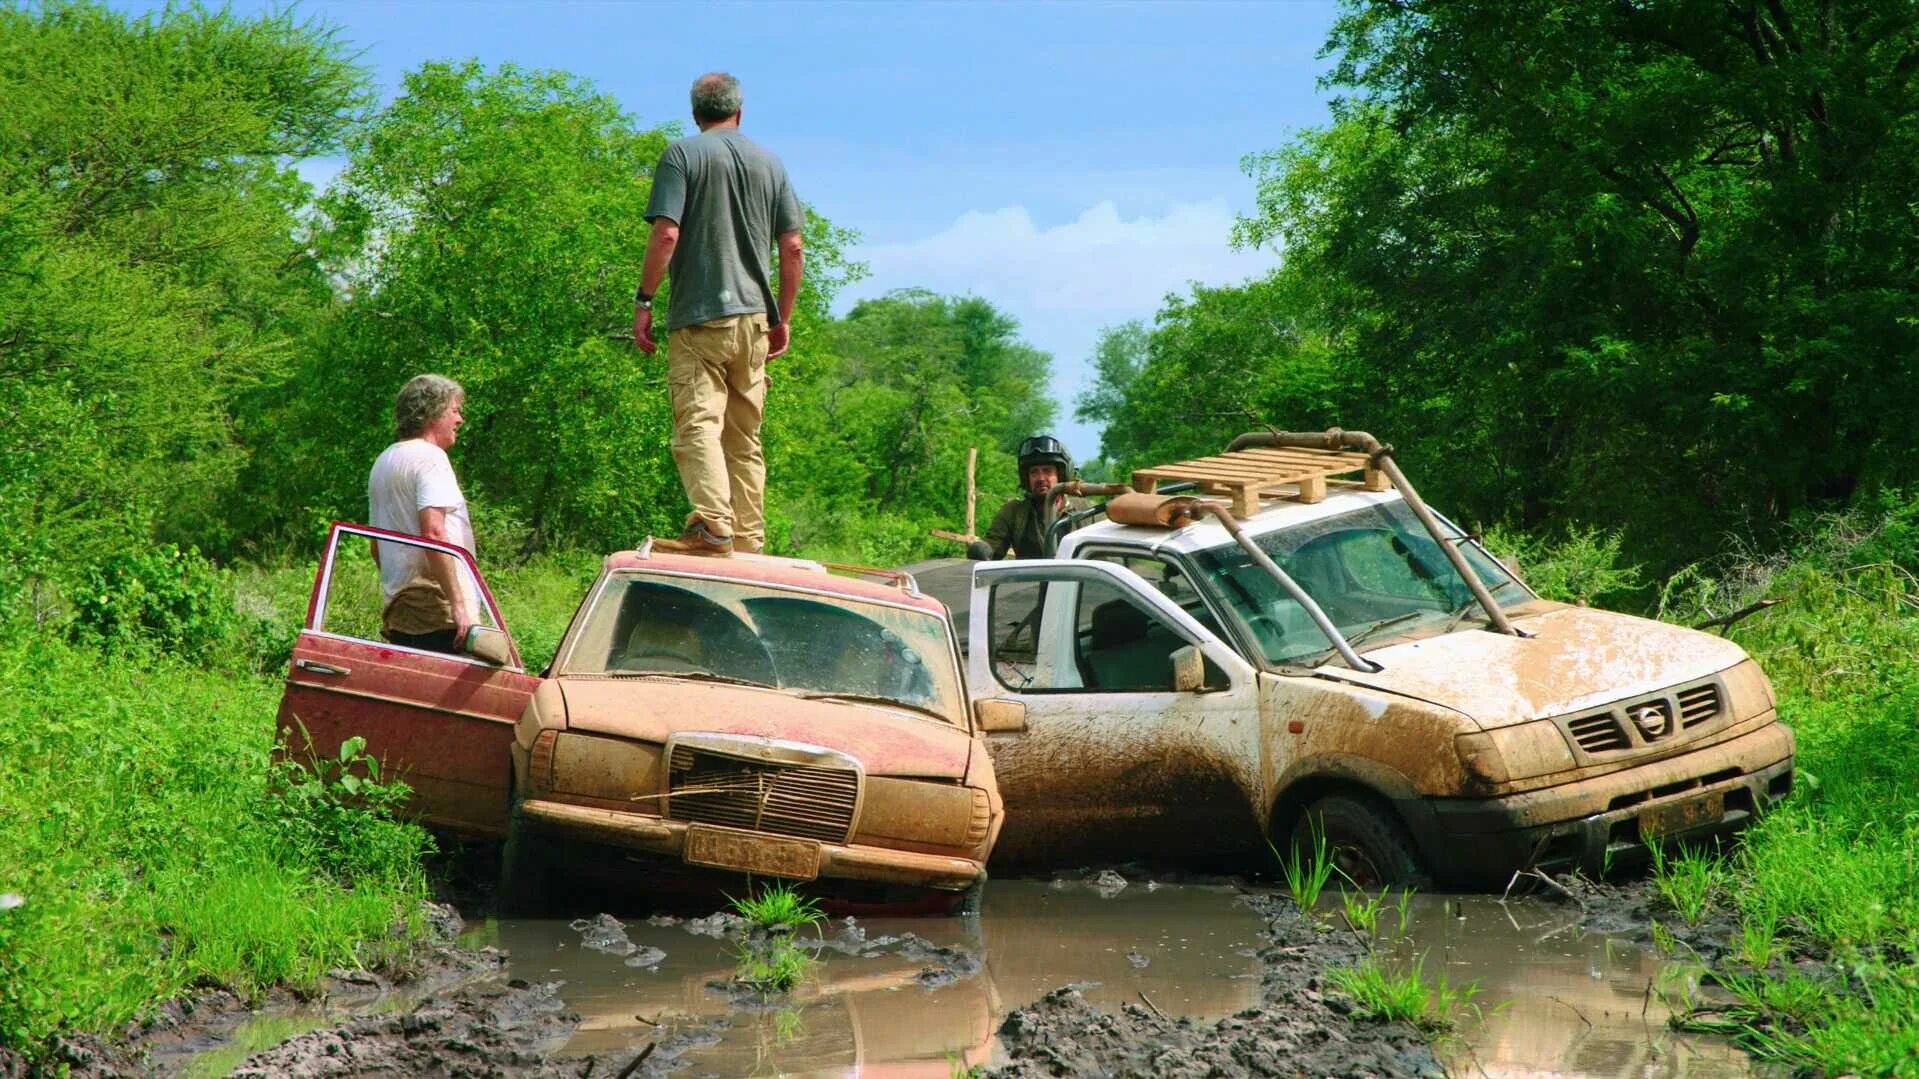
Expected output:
(1115, 760)
(440, 722)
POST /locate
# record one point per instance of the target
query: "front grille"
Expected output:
(705, 787)
(1597, 733)
(1698, 704)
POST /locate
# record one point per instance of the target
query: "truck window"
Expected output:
(1169, 579)
(1112, 643)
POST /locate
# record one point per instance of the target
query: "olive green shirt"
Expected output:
(732, 201)
(1022, 525)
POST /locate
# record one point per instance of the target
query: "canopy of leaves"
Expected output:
(154, 266)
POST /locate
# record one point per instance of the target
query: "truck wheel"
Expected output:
(526, 872)
(1366, 842)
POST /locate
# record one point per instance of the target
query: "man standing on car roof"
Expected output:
(1025, 524)
(718, 207)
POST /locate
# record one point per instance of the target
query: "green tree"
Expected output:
(1645, 262)
(154, 266)
(489, 226)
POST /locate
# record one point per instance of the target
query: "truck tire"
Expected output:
(1365, 841)
(526, 872)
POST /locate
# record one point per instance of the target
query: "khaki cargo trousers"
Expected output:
(716, 380)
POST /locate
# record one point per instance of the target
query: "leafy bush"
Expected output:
(1580, 567)
(162, 597)
(336, 814)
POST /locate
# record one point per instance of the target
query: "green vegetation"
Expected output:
(158, 846)
(1405, 995)
(1687, 881)
(778, 908)
(1306, 872)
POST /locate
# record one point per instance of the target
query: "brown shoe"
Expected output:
(697, 539)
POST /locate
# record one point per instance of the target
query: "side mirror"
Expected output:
(489, 646)
(1189, 669)
(998, 714)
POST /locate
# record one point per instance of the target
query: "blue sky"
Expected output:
(1070, 162)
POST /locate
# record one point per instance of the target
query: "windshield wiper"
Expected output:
(1459, 612)
(1364, 632)
(874, 698)
(692, 676)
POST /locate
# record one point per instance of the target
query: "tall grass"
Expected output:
(151, 853)
(1832, 871)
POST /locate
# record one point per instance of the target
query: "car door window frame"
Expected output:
(322, 584)
(1081, 571)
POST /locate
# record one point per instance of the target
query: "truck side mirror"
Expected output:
(997, 714)
(1189, 669)
(489, 645)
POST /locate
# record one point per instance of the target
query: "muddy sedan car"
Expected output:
(706, 718)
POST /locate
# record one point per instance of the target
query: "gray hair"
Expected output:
(716, 96)
(422, 400)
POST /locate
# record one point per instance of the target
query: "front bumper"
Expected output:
(667, 839)
(1594, 824)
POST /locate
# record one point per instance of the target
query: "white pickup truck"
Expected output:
(1204, 673)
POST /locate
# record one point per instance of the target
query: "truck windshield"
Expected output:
(1374, 571)
(741, 631)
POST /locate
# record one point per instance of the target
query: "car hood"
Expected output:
(884, 740)
(1575, 658)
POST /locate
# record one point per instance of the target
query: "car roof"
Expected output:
(1207, 532)
(854, 582)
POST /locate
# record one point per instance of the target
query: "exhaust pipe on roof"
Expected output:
(1382, 459)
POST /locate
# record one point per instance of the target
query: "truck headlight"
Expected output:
(1517, 752)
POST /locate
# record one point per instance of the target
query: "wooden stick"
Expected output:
(1728, 619)
(1150, 1004)
(972, 493)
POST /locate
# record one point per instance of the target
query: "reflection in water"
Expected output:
(1191, 952)
(1557, 1000)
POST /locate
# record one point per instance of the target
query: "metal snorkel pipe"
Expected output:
(1382, 459)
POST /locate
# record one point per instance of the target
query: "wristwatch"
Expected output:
(640, 297)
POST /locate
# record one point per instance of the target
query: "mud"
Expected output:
(1112, 972)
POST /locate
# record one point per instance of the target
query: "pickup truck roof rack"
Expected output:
(1248, 475)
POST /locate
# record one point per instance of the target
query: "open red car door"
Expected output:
(440, 722)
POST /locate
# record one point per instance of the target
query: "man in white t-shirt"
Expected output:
(412, 489)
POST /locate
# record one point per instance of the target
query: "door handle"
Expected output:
(315, 667)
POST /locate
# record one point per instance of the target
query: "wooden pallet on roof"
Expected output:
(1248, 475)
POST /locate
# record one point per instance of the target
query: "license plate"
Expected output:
(748, 852)
(1680, 816)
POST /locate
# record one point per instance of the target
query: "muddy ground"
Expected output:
(465, 1023)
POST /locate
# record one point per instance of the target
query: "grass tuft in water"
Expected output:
(1404, 995)
(772, 966)
(1687, 882)
(1306, 873)
(778, 906)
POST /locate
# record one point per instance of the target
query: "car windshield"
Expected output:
(1374, 571)
(741, 631)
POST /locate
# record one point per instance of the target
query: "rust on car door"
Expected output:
(441, 723)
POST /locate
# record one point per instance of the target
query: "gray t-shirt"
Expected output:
(731, 200)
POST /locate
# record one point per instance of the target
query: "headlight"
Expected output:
(907, 811)
(1518, 752)
(610, 769)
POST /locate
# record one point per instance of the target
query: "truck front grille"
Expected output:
(704, 787)
(1653, 719)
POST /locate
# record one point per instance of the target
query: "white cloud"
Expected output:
(1066, 282)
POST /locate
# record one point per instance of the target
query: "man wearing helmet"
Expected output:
(1025, 524)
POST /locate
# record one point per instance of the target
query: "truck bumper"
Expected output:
(1606, 821)
(667, 839)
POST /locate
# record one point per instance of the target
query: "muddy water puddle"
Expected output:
(916, 996)
(925, 995)
(1556, 1000)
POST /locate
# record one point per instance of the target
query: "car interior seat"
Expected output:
(1122, 651)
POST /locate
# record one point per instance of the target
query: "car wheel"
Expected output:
(1365, 842)
(526, 872)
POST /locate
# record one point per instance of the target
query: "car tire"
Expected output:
(1366, 842)
(526, 872)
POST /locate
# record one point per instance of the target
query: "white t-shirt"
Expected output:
(408, 477)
